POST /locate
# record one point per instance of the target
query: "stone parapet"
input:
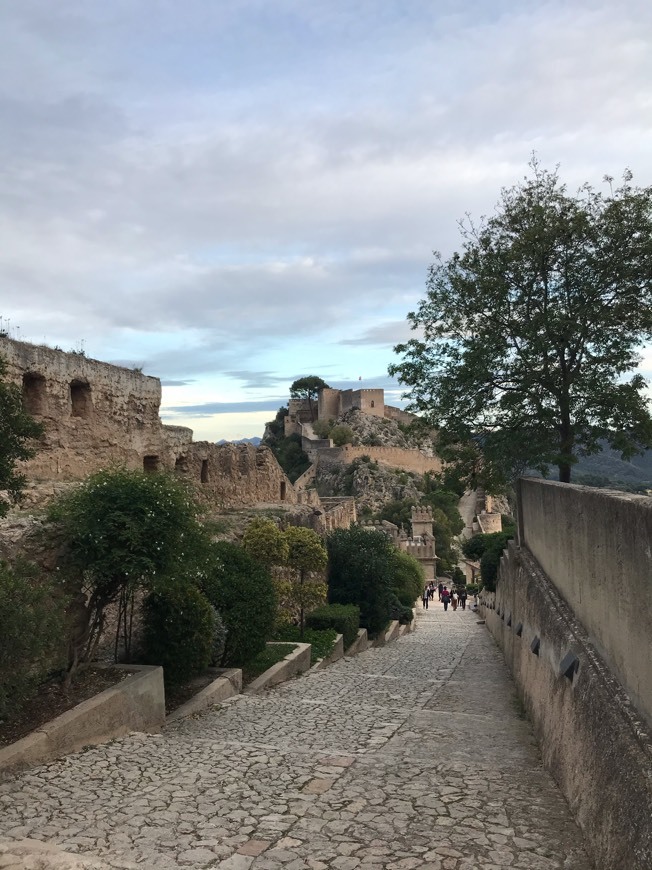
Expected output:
(594, 545)
(592, 740)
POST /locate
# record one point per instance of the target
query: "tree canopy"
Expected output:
(530, 336)
(307, 388)
(17, 430)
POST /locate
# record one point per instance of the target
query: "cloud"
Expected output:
(208, 409)
(385, 334)
(219, 187)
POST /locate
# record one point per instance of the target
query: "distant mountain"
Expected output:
(255, 441)
(607, 468)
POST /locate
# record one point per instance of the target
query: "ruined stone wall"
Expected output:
(399, 415)
(235, 475)
(592, 740)
(395, 457)
(337, 512)
(94, 413)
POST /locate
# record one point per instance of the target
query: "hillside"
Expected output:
(608, 469)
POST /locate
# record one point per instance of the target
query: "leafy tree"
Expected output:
(307, 555)
(529, 332)
(307, 388)
(17, 431)
(242, 591)
(398, 511)
(475, 547)
(265, 542)
(124, 530)
(360, 571)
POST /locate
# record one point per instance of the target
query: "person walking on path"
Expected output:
(424, 598)
(445, 597)
(463, 599)
(440, 589)
(454, 600)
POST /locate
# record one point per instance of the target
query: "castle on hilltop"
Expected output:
(332, 403)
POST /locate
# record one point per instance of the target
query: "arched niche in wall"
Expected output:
(181, 464)
(34, 393)
(81, 399)
(150, 463)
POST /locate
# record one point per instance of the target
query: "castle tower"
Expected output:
(421, 522)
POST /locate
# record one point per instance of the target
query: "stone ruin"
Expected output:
(96, 414)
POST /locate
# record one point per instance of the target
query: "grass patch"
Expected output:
(264, 660)
(322, 639)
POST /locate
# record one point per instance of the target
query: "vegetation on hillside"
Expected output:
(532, 328)
(287, 450)
(18, 432)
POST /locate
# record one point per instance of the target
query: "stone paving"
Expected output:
(411, 756)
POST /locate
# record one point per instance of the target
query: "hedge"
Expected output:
(344, 618)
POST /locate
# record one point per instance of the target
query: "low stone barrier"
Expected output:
(135, 704)
(227, 684)
(296, 662)
(391, 634)
(360, 644)
(592, 739)
(336, 653)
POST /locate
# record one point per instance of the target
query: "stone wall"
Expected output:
(395, 457)
(94, 413)
(234, 475)
(594, 545)
(592, 740)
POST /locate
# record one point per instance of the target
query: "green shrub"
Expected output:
(399, 611)
(178, 631)
(321, 640)
(360, 572)
(220, 633)
(342, 435)
(343, 618)
(32, 634)
(408, 578)
(265, 659)
(242, 591)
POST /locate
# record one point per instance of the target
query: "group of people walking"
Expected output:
(446, 596)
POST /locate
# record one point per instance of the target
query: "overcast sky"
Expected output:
(235, 193)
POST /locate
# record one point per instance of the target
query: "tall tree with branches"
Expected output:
(531, 335)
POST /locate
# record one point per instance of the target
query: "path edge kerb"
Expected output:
(228, 684)
(295, 662)
(135, 704)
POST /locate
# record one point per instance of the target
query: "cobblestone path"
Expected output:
(411, 756)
